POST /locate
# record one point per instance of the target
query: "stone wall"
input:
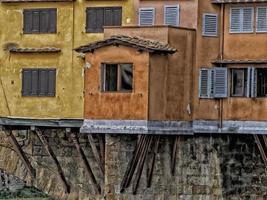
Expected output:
(207, 167)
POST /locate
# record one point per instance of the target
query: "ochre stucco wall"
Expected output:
(187, 8)
(207, 49)
(117, 105)
(68, 102)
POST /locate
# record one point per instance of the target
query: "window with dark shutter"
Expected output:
(241, 20)
(40, 20)
(171, 15)
(146, 16)
(210, 25)
(261, 19)
(98, 17)
(38, 82)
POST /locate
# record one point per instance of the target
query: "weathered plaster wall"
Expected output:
(117, 105)
(68, 102)
(207, 49)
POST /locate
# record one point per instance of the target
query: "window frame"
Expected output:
(253, 20)
(147, 8)
(258, 31)
(177, 17)
(245, 83)
(204, 25)
(38, 82)
(39, 10)
(103, 77)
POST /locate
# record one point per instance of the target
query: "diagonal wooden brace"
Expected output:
(20, 152)
(54, 158)
(88, 169)
(261, 149)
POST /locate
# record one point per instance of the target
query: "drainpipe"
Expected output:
(221, 65)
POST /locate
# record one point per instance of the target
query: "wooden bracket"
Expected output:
(21, 153)
(174, 153)
(54, 158)
(87, 166)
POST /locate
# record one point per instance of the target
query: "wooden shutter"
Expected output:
(51, 82)
(99, 20)
(146, 16)
(43, 82)
(261, 19)
(90, 20)
(117, 16)
(171, 15)
(52, 21)
(44, 21)
(220, 82)
(27, 21)
(253, 82)
(247, 20)
(29, 82)
(108, 17)
(35, 21)
(248, 91)
(210, 24)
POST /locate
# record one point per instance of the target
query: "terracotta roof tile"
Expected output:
(135, 42)
(35, 50)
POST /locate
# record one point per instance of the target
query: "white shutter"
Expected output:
(220, 82)
(261, 19)
(206, 83)
(247, 20)
(235, 20)
(248, 82)
(253, 86)
(171, 15)
(146, 16)
(210, 24)
(241, 20)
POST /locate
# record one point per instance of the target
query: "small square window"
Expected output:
(117, 77)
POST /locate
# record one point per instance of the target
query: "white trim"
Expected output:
(178, 13)
(146, 8)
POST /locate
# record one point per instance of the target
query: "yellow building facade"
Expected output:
(20, 51)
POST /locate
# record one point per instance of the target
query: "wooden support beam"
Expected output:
(141, 163)
(88, 169)
(54, 158)
(261, 149)
(101, 140)
(265, 140)
(21, 154)
(132, 164)
(96, 154)
(151, 169)
(174, 153)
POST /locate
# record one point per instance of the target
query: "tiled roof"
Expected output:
(238, 1)
(34, 50)
(135, 42)
(262, 61)
(21, 1)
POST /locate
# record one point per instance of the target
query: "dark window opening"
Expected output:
(38, 82)
(98, 17)
(117, 77)
(40, 20)
(261, 82)
(239, 82)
